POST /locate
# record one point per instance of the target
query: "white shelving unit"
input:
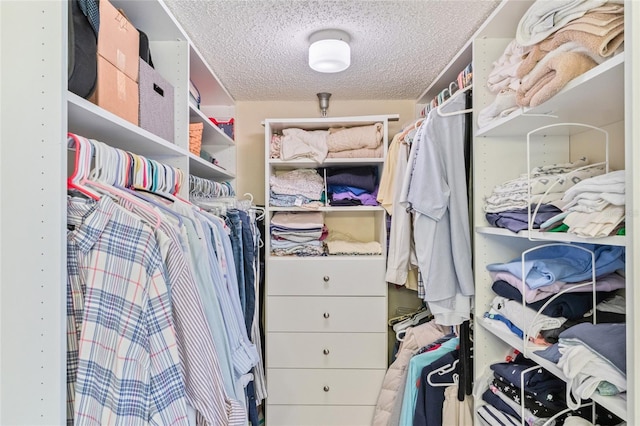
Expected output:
(326, 331)
(37, 113)
(605, 97)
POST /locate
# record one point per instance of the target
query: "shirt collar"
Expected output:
(90, 219)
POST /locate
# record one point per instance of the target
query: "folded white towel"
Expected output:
(544, 17)
(503, 75)
(505, 101)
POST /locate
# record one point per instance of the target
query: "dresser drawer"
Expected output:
(330, 314)
(326, 276)
(323, 386)
(314, 415)
(326, 350)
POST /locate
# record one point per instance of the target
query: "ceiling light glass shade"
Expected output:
(329, 51)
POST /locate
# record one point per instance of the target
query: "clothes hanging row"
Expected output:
(427, 382)
(162, 321)
(462, 84)
(426, 192)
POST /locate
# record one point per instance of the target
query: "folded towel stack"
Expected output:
(356, 142)
(567, 39)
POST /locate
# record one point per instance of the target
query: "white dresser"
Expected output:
(326, 331)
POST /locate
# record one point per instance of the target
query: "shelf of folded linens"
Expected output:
(614, 240)
(328, 209)
(601, 87)
(308, 163)
(616, 404)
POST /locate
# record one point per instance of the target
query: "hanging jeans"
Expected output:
(234, 223)
(236, 220)
(249, 249)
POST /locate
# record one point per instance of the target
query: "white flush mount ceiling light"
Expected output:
(329, 51)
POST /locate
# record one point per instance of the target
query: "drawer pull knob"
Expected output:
(326, 351)
(326, 315)
(326, 388)
(326, 278)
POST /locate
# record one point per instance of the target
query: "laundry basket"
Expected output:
(195, 137)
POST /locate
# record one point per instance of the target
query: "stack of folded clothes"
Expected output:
(355, 142)
(352, 186)
(593, 208)
(503, 81)
(582, 34)
(317, 145)
(555, 42)
(297, 234)
(300, 187)
(509, 203)
(543, 394)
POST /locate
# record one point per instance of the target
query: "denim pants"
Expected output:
(242, 243)
(249, 249)
(234, 223)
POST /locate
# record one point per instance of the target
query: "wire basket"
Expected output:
(195, 137)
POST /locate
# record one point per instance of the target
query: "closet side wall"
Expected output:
(32, 212)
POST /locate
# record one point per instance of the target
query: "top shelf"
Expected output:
(599, 88)
(153, 18)
(320, 123)
(91, 121)
(306, 163)
(501, 23)
(212, 92)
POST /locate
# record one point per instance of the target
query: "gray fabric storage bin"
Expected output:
(156, 102)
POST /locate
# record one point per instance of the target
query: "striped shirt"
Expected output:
(243, 352)
(493, 417)
(128, 368)
(202, 375)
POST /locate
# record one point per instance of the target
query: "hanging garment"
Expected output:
(204, 383)
(414, 339)
(401, 257)
(430, 398)
(416, 364)
(454, 411)
(115, 267)
(435, 188)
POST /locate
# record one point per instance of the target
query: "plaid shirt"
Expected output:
(204, 383)
(421, 290)
(128, 369)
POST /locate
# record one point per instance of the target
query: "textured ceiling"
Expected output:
(258, 49)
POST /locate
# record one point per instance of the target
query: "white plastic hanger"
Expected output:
(82, 166)
(441, 372)
(454, 95)
(103, 161)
